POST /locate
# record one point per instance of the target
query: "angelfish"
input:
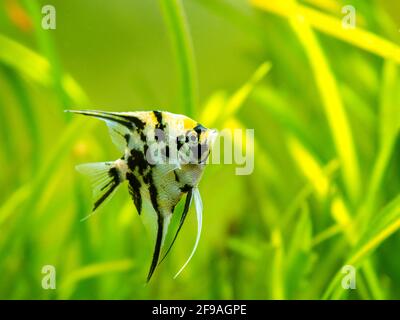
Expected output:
(163, 158)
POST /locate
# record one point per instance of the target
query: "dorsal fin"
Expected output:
(121, 125)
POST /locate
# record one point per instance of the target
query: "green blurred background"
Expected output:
(324, 103)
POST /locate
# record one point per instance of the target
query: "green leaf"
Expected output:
(32, 65)
(180, 37)
(95, 270)
(386, 224)
(333, 27)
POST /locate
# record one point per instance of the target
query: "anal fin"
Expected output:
(157, 248)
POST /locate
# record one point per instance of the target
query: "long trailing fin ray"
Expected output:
(105, 180)
(183, 218)
(199, 215)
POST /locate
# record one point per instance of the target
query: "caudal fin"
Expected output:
(105, 179)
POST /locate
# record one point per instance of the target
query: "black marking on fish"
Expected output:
(137, 159)
(159, 118)
(157, 248)
(183, 217)
(199, 129)
(134, 190)
(139, 124)
(153, 192)
(105, 116)
(113, 173)
(176, 176)
(199, 149)
(146, 178)
(127, 138)
(104, 197)
(202, 152)
(165, 151)
(179, 142)
(160, 221)
(186, 188)
(142, 137)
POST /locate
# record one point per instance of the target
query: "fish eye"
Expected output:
(191, 137)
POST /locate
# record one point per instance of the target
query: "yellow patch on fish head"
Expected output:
(188, 123)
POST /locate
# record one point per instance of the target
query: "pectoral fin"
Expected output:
(199, 214)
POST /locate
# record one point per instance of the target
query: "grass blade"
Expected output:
(223, 109)
(27, 108)
(389, 125)
(386, 224)
(333, 107)
(32, 65)
(47, 48)
(180, 36)
(91, 271)
(333, 27)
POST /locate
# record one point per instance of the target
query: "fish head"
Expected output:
(206, 139)
(196, 142)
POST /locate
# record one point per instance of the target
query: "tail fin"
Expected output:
(105, 179)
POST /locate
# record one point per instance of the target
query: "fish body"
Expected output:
(163, 158)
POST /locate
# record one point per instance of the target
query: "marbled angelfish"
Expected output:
(164, 156)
